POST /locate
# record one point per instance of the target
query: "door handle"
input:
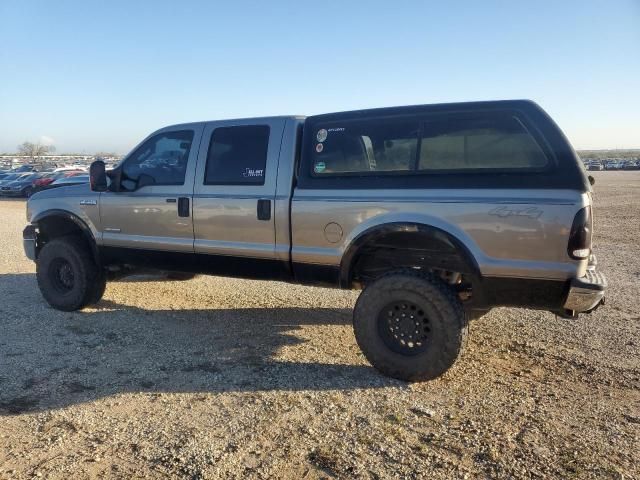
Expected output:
(183, 207)
(264, 209)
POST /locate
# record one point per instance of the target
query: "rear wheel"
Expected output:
(67, 275)
(28, 192)
(410, 327)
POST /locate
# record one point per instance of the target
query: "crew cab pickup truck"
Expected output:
(437, 212)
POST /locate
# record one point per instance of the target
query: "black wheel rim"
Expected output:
(61, 275)
(404, 327)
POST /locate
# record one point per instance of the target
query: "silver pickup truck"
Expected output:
(437, 212)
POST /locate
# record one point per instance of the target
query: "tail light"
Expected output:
(579, 247)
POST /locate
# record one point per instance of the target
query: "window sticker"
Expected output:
(319, 167)
(319, 147)
(322, 135)
(252, 172)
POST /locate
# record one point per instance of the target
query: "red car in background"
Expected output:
(49, 178)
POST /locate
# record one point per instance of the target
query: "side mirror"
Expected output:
(592, 180)
(98, 176)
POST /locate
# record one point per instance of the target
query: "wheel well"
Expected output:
(408, 246)
(56, 226)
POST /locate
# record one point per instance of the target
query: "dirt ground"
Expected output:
(222, 378)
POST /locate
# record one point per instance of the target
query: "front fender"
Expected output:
(61, 222)
(78, 204)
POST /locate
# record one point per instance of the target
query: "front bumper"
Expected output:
(586, 293)
(29, 238)
(11, 193)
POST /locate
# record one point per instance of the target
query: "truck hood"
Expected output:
(82, 190)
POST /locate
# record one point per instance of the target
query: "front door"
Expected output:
(153, 210)
(234, 192)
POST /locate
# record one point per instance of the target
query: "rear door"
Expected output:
(234, 192)
(156, 216)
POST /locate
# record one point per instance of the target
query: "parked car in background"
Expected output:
(10, 177)
(631, 165)
(595, 165)
(618, 165)
(20, 187)
(76, 168)
(68, 181)
(25, 169)
(51, 177)
(46, 177)
(20, 169)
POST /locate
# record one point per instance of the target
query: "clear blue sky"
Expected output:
(93, 75)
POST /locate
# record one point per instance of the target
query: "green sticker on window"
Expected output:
(319, 167)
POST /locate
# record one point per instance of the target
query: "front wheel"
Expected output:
(410, 327)
(67, 275)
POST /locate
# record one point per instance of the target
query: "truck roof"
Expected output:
(517, 103)
(240, 120)
(439, 107)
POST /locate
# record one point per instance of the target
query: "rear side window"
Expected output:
(482, 142)
(366, 146)
(237, 155)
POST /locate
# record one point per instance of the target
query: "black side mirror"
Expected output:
(145, 180)
(98, 176)
(592, 180)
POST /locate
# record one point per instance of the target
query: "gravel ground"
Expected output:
(216, 377)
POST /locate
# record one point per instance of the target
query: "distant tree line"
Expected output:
(35, 150)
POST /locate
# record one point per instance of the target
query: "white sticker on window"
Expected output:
(322, 135)
(251, 172)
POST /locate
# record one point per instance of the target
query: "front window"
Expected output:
(163, 157)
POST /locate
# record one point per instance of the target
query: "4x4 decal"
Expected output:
(503, 212)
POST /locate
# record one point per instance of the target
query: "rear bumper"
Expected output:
(29, 242)
(586, 293)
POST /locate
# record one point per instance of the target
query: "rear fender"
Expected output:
(408, 245)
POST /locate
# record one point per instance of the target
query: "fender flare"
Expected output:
(69, 216)
(376, 232)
